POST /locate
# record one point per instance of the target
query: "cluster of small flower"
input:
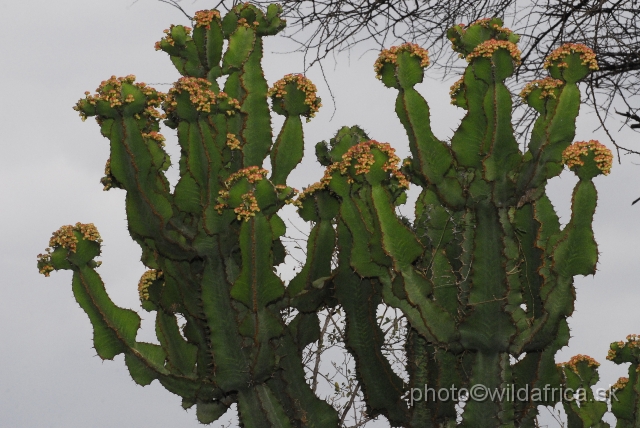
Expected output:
(361, 158)
(587, 56)
(278, 90)
(572, 155)
(390, 56)
(548, 84)
(577, 359)
(203, 18)
(111, 91)
(488, 48)
(145, 282)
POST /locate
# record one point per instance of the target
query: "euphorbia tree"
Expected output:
(484, 275)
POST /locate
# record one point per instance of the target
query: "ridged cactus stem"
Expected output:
(256, 130)
(288, 150)
(401, 68)
(382, 388)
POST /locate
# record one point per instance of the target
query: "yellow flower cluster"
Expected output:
(223, 195)
(633, 341)
(361, 153)
(620, 384)
(548, 84)
(253, 174)
(89, 232)
(580, 358)
(308, 191)
(200, 93)
(145, 282)
(46, 268)
(303, 84)
(242, 22)
(107, 181)
(235, 104)
(487, 49)
(390, 56)
(232, 142)
(455, 89)
(168, 37)
(291, 192)
(65, 238)
(249, 205)
(571, 156)
(204, 18)
(587, 56)
(364, 159)
(248, 208)
(44, 261)
(110, 90)
(156, 136)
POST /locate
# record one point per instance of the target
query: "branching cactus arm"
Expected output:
(486, 272)
(211, 244)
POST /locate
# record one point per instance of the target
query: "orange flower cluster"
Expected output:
(487, 49)
(574, 361)
(110, 90)
(390, 56)
(586, 55)
(548, 84)
(571, 156)
(145, 282)
(303, 84)
(204, 18)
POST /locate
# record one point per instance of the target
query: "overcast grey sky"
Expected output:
(51, 163)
